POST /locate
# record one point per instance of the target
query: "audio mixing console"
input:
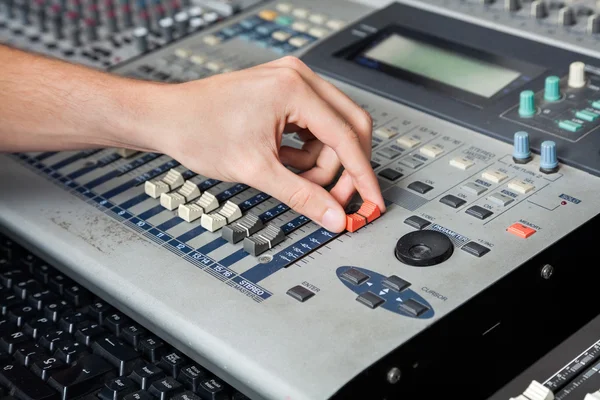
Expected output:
(488, 162)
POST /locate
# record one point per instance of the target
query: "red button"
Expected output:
(354, 222)
(521, 230)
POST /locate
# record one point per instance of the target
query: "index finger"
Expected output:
(309, 110)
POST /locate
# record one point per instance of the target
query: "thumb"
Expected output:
(305, 197)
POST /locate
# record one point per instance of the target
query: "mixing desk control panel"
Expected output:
(104, 34)
(573, 25)
(486, 180)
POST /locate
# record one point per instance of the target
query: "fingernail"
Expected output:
(333, 220)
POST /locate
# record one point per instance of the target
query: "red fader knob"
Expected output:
(367, 213)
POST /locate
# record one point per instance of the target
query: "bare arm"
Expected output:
(227, 127)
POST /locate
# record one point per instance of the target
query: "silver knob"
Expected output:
(566, 16)
(593, 24)
(512, 5)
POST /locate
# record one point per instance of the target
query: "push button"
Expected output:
(431, 150)
(494, 176)
(413, 307)
(411, 162)
(388, 153)
(475, 249)
(461, 163)
(416, 222)
(300, 293)
(268, 15)
(569, 126)
(390, 174)
(395, 283)
(374, 164)
(586, 115)
(370, 300)
(474, 188)
(479, 212)
(420, 187)
(385, 133)
(354, 276)
(521, 230)
(500, 199)
(452, 201)
(521, 186)
(408, 142)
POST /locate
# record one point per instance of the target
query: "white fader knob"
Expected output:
(592, 396)
(537, 391)
(577, 75)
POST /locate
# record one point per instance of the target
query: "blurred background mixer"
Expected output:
(486, 150)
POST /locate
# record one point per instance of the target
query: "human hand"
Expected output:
(230, 126)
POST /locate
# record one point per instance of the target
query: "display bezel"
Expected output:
(356, 54)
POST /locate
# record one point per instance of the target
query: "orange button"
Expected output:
(521, 230)
(268, 15)
(370, 211)
(354, 222)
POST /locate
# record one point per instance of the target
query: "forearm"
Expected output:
(52, 105)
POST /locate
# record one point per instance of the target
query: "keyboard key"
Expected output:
(42, 273)
(8, 301)
(239, 396)
(132, 334)
(186, 396)
(152, 347)
(139, 395)
(70, 320)
(7, 327)
(213, 389)
(45, 367)
(24, 289)
(9, 343)
(117, 388)
(39, 299)
(191, 376)
(146, 375)
(30, 353)
(25, 384)
(77, 296)
(98, 310)
(38, 327)
(54, 311)
(12, 277)
(89, 331)
(172, 362)
(50, 339)
(70, 351)
(165, 388)
(86, 375)
(117, 353)
(20, 314)
(58, 282)
(115, 322)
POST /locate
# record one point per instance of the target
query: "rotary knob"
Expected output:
(593, 24)
(577, 75)
(548, 158)
(527, 104)
(512, 5)
(552, 89)
(424, 248)
(521, 151)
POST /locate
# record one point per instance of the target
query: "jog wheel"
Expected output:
(424, 248)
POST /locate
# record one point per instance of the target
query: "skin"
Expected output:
(228, 127)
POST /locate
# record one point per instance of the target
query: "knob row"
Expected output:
(539, 9)
(522, 153)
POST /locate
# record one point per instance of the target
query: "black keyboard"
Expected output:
(59, 341)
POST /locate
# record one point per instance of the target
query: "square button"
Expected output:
(388, 153)
(521, 186)
(475, 249)
(395, 283)
(420, 187)
(370, 300)
(408, 142)
(452, 201)
(501, 199)
(354, 276)
(385, 133)
(521, 230)
(431, 150)
(411, 162)
(479, 212)
(461, 163)
(416, 222)
(413, 307)
(374, 164)
(390, 174)
(474, 188)
(494, 176)
(300, 293)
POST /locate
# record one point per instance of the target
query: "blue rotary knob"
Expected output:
(548, 160)
(521, 151)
